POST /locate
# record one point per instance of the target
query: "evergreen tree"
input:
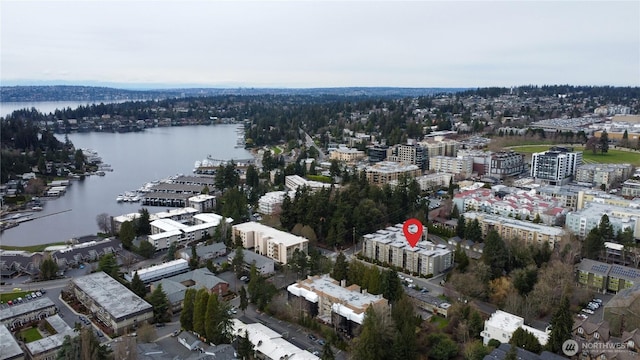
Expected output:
(625, 139)
(441, 347)
(245, 347)
(375, 337)
(146, 249)
(561, 326)
(537, 219)
(211, 318)
(109, 265)
(244, 300)
(461, 258)
(199, 311)
(405, 341)
(455, 214)
(161, 306)
(523, 339)
(341, 268)
(391, 287)
(137, 286)
(48, 268)
(593, 244)
(604, 142)
(144, 223)
(460, 228)
(473, 231)
(186, 316)
(127, 234)
(512, 354)
(495, 254)
(476, 325)
(237, 264)
(327, 352)
(171, 252)
(605, 228)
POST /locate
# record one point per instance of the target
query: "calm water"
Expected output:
(136, 158)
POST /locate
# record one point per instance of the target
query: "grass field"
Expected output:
(276, 150)
(31, 334)
(13, 295)
(33, 248)
(614, 156)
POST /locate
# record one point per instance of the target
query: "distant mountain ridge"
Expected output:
(93, 93)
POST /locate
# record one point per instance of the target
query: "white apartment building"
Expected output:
(556, 166)
(501, 326)
(581, 222)
(293, 182)
(272, 243)
(460, 165)
(631, 188)
(389, 246)
(386, 171)
(166, 231)
(202, 202)
(271, 202)
(182, 215)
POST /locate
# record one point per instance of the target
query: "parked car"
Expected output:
(28, 297)
(583, 316)
(599, 301)
(588, 311)
(159, 325)
(312, 337)
(321, 342)
(38, 293)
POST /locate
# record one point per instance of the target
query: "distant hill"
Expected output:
(93, 93)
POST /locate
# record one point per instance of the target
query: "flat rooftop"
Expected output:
(517, 224)
(276, 235)
(114, 297)
(9, 348)
(54, 341)
(328, 286)
(26, 307)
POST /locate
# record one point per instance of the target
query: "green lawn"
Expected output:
(440, 322)
(276, 150)
(613, 156)
(33, 248)
(13, 295)
(31, 334)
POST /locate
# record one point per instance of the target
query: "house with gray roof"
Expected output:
(18, 315)
(264, 265)
(205, 252)
(86, 252)
(20, 261)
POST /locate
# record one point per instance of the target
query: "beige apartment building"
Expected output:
(385, 171)
(272, 243)
(509, 228)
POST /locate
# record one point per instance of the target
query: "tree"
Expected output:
(327, 352)
(341, 268)
(604, 142)
(525, 279)
(245, 347)
(48, 268)
(476, 325)
(146, 249)
(441, 347)
(391, 287)
(252, 177)
(146, 333)
(461, 258)
(512, 354)
(161, 306)
(495, 254)
(475, 351)
(625, 139)
(460, 228)
(84, 346)
(593, 244)
(104, 223)
(404, 318)
(237, 264)
(199, 311)
(561, 326)
(244, 300)
(473, 231)
(526, 340)
(373, 342)
(334, 169)
(144, 223)
(605, 229)
(109, 265)
(537, 219)
(127, 234)
(299, 262)
(211, 318)
(137, 286)
(186, 316)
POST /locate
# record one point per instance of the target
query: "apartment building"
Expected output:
(509, 228)
(440, 146)
(110, 302)
(501, 326)
(293, 182)
(603, 174)
(346, 154)
(505, 164)
(165, 232)
(386, 171)
(389, 246)
(557, 166)
(601, 197)
(580, 222)
(481, 160)
(272, 243)
(202, 202)
(434, 181)
(631, 188)
(603, 277)
(460, 165)
(334, 303)
(271, 202)
(410, 153)
(181, 215)
(377, 153)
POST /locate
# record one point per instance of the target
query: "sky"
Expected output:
(305, 44)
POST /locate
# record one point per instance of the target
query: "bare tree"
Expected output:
(147, 333)
(104, 223)
(125, 348)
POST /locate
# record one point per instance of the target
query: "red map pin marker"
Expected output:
(412, 229)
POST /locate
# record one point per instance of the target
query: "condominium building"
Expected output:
(202, 202)
(631, 188)
(520, 204)
(509, 228)
(165, 232)
(440, 146)
(410, 154)
(346, 154)
(272, 243)
(604, 277)
(385, 171)
(267, 344)
(460, 165)
(182, 215)
(557, 166)
(581, 222)
(506, 164)
(112, 303)
(603, 174)
(378, 153)
(271, 202)
(334, 303)
(501, 326)
(601, 197)
(389, 246)
(434, 181)
(481, 160)
(293, 182)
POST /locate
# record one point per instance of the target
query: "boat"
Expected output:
(37, 208)
(100, 173)
(120, 198)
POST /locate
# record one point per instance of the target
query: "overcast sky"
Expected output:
(321, 44)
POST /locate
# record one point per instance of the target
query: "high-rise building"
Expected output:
(410, 154)
(557, 166)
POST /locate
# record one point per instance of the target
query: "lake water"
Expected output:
(136, 158)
